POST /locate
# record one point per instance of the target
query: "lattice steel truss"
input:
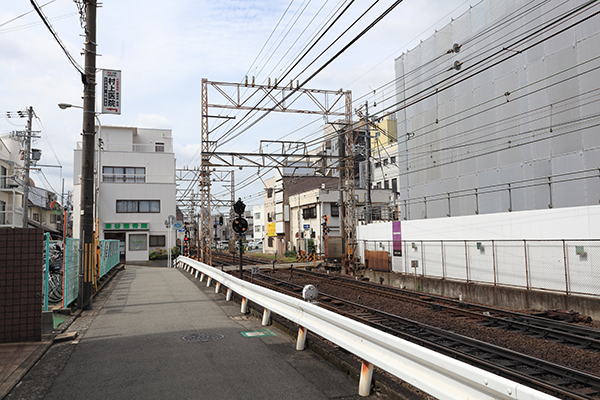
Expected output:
(269, 98)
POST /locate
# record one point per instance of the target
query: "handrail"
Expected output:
(431, 372)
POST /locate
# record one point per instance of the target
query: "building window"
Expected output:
(377, 165)
(335, 210)
(386, 184)
(269, 193)
(124, 174)
(309, 213)
(378, 186)
(36, 217)
(270, 241)
(159, 147)
(157, 241)
(394, 185)
(257, 216)
(2, 212)
(257, 229)
(138, 206)
(3, 174)
(55, 219)
(393, 159)
(385, 162)
(138, 242)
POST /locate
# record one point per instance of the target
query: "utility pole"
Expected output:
(26, 162)
(86, 236)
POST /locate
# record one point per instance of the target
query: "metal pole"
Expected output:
(26, 162)
(87, 157)
(368, 156)
(241, 269)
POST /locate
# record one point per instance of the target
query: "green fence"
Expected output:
(109, 255)
(68, 280)
(71, 275)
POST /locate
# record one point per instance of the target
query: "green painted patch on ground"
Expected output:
(59, 319)
(260, 333)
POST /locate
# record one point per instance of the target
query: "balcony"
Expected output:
(135, 147)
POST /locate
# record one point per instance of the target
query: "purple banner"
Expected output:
(397, 238)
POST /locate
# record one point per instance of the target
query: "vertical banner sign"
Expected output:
(397, 238)
(111, 92)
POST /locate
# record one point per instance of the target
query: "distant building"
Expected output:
(136, 190)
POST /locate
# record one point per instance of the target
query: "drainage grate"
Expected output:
(203, 337)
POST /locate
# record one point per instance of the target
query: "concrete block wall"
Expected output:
(21, 272)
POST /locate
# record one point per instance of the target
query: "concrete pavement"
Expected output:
(135, 346)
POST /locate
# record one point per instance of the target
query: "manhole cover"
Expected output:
(203, 337)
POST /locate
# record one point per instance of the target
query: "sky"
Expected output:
(164, 49)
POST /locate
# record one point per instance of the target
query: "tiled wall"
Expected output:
(21, 270)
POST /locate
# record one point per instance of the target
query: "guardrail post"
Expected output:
(228, 298)
(366, 375)
(197, 272)
(217, 287)
(301, 341)
(266, 317)
(201, 277)
(208, 281)
(244, 308)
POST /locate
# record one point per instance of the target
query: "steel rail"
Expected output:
(548, 377)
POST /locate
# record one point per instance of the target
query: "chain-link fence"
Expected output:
(565, 266)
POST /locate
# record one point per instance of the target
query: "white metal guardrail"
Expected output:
(431, 372)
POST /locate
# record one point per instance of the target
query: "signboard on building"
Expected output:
(271, 229)
(130, 226)
(111, 92)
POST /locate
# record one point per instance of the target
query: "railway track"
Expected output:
(578, 336)
(222, 259)
(556, 380)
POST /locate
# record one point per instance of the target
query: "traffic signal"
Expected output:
(240, 225)
(221, 220)
(324, 224)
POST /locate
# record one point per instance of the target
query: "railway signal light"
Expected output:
(240, 225)
(221, 220)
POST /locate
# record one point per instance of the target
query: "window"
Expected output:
(270, 242)
(393, 159)
(378, 186)
(257, 228)
(55, 219)
(157, 241)
(2, 212)
(385, 162)
(138, 242)
(394, 185)
(386, 184)
(269, 193)
(36, 217)
(377, 165)
(159, 147)
(335, 210)
(3, 177)
(309, 213)
(138, 206)
(257, 216)
(124, 174)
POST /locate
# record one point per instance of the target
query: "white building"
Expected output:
(11, 192)
(260, 228)
(136, 192)
(495, 122)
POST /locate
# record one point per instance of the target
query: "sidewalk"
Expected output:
(162, 335)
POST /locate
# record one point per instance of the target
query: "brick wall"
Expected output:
(21, 270)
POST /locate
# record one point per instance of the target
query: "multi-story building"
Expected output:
(11, 193)
(498, 123)
(135, 189)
